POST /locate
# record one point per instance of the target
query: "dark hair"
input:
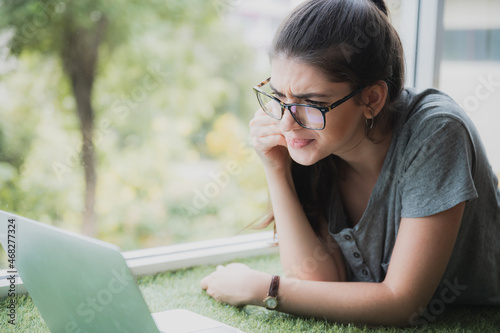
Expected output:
(350, 41)
(381, 5)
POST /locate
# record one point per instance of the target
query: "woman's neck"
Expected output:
(367, 159)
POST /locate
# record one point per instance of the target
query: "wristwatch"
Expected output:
(271, 301)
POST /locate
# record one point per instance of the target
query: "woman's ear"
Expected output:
(374, 98)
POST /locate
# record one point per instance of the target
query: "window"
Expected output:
(171, 103)
(470, 65)
(452, 45)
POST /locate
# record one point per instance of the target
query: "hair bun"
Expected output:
(381, 5)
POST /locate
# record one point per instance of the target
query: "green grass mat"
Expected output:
(181, 289)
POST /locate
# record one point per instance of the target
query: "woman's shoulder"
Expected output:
(428, 103)
(420, 112)
(432, 126)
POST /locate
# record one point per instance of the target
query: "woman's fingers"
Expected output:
(268, 141)
(263, 121)
(264, 131)
(228, 284)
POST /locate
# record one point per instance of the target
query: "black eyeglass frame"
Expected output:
(323, 109)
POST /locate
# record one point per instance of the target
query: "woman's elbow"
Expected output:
(406, 309)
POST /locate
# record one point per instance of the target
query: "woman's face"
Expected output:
(345, 125)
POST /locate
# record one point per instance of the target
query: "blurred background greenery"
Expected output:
(170, 102)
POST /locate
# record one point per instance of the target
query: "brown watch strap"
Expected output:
(273, 288)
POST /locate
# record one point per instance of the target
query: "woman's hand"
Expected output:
(269, 142)
(236, 284)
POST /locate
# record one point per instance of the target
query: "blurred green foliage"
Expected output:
(172, 100)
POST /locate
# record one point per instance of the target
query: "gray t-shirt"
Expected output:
(436, 160)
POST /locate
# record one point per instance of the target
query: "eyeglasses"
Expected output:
(307, 116)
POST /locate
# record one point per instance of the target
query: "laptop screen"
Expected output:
(78, 284)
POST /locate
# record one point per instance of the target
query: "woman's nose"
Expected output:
(288, 123)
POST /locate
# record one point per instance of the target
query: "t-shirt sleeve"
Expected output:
(438, 168)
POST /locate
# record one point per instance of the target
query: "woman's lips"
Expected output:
(298, 143)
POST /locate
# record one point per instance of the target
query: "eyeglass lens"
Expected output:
(305, 116)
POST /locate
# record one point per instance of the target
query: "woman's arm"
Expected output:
(302, 254)
(420, 256)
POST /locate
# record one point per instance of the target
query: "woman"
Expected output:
(383, 199)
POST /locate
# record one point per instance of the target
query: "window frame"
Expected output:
(422, 37)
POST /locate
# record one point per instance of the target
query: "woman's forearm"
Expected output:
(347, 302)
(302, 254)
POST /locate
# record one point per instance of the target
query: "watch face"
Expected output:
(271, 303)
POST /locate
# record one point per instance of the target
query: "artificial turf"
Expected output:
(181, 289)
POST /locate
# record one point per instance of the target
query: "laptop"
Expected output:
(83, 285)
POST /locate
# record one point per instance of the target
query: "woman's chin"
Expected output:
(303, 159)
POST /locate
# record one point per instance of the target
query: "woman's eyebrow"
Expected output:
(301, 96)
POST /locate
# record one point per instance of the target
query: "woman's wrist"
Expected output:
(260, 288)
(278, 175)
(280, 184)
